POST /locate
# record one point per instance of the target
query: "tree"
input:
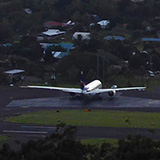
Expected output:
(156, 61)
(74, 63)
(48, 57)
(33, 45)
(137, 147)
(6, 33)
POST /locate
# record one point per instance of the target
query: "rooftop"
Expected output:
(14, 71)
(114, 38)
(151, 39)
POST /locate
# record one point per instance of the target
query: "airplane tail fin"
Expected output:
(82, 81)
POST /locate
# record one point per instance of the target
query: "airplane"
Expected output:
(93, 88)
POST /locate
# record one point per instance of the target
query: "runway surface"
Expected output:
(39, 131)
(64, 102)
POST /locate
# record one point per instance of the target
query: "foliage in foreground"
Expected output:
(64, 145)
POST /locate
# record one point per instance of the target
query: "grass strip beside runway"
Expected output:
(3, 138)
(100, 118)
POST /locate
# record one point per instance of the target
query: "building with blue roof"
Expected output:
(150, 39)
(58, 54)
(114, 38)
(7, 45)
(67, 46)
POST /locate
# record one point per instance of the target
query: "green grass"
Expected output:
(101, 118)
(99, 142)
(3, 138)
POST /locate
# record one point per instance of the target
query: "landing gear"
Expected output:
(74, 96)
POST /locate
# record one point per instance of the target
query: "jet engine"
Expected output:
(112, 93)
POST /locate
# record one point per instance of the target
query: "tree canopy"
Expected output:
(64, 145)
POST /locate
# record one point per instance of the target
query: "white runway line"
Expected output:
(25, 132)
(39, 127)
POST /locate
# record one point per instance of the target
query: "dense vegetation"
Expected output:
(97, 57)
(65, 145)
(14, 19)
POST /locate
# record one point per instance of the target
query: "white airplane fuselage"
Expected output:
(94, 85)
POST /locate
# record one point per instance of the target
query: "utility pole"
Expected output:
(100, 56)
(103, 71)
(97, 66)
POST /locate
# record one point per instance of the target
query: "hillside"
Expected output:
(23, 20)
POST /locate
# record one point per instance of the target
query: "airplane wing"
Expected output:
(98, 91)
(70, 90)
(79, 91)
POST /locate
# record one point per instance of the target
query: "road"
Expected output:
(37, 131)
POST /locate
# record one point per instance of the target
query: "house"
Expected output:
(69, 24)
(151, 73)
(150, 39)
(66, 46)
(46, 45)
(14, 71)
(103, 23)
(51, 24)
(114, 38)
(15, 75)
(7, 45)
(84, 35)
(53, 32)
(59, 55)
(28, 10)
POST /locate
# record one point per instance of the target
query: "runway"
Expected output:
(83, 132)
(106, 103)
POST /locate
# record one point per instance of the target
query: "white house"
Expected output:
(103, 23)
(84, 35)
(53, 32)
(28, 10)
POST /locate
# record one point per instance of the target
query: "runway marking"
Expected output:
(25, 132)
(41, 127)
